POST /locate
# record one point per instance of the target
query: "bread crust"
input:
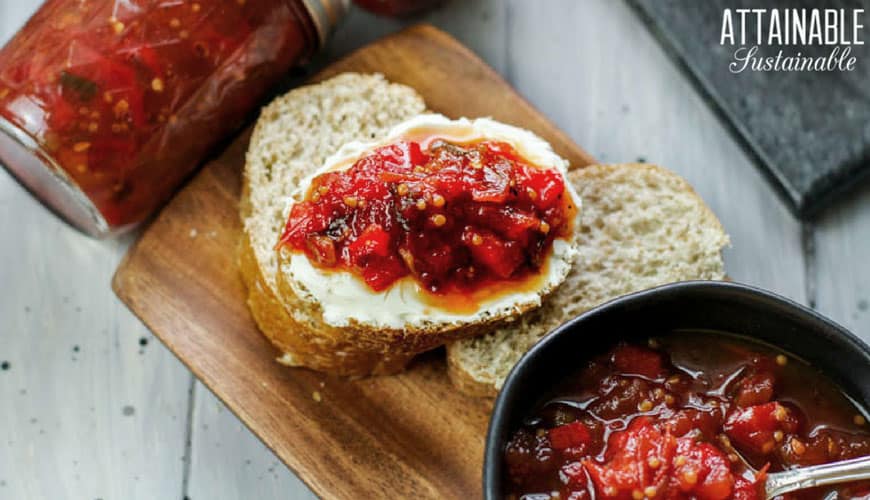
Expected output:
(299, 346)
(297, 343)
(277, 325)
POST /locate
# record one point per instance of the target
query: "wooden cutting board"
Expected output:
(405, 436)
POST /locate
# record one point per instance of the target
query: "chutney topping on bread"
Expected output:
(430, 221)
(455, 217)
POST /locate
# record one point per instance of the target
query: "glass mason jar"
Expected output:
(106, 106)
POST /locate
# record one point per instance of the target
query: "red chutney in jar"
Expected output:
(677, 422)
(455, 217)
(127, 97)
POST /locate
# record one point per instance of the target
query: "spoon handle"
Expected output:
(817, 475)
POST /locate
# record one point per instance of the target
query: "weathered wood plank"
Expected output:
(841, 270)
(229, 462)
(87, 411)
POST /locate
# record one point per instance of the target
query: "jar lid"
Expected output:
(326, 14)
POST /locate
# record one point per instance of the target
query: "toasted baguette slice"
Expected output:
(294, 135)
(641, 226)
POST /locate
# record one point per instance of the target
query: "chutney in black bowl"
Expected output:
(646, 398)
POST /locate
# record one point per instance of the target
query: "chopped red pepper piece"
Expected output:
(373, 241)
(644, 459)
(755, 389)
(630, 358)
(754, 429)
(569, 435)
(321, 249)
(702, 470)
(501, 257)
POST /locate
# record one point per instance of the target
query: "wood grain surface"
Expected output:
(404, 436)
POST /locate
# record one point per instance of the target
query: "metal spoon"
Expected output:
(778, 483)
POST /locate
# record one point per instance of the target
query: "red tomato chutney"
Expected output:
(691, 415)
(455, 217)
(125, 98)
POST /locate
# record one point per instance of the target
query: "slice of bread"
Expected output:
(293, 136)
(338, 308)
(641, 226)
(289, 298)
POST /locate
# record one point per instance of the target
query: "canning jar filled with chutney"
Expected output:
(106, 106)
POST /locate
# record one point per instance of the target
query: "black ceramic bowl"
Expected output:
(698, 305)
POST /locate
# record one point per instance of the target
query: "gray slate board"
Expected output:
(809, 131)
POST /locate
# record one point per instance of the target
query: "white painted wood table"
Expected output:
(92, 406)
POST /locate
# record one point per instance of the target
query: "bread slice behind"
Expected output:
(641, 226)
